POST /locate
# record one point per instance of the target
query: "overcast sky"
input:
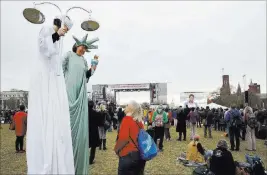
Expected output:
(186, 43)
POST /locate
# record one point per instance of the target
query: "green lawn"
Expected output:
(107, 162)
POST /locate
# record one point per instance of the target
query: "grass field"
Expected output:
(107, 161)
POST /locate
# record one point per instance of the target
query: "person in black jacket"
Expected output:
(181, 124)
(208, 122)
(216, 119)
(222, 162)
(94, 140)
(120, 115)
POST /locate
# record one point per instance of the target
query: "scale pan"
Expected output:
(33, 16)
(90, 25)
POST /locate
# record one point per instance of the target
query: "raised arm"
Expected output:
(46, 42)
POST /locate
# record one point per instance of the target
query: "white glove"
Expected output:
(61, 32)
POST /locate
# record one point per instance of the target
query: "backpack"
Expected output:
(146, 145)
(235, 121)
(252, 121)
(256, 164)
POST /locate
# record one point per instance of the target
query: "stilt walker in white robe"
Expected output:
(49, 143)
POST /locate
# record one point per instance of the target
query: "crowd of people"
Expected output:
(61, 124)
(158, 123)
(102, 117)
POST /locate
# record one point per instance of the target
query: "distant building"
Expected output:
(225, 89)
(254, 88)
(13, 98)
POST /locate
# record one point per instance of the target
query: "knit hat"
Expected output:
(222, 144)
(196, 137)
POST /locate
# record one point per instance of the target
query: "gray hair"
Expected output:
(248, 109)
(137, 111)
(222, 144)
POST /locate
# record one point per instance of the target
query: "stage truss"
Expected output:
(107, 92)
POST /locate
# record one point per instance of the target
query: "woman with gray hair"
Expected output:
(130, 162)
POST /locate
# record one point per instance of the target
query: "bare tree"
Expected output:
(227, 100)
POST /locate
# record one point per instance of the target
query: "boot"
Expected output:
(104, 144)
(100, 146)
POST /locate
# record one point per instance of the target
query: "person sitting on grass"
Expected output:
(222, 162)
(195, 151)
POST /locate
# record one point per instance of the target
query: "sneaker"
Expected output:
(22, 151)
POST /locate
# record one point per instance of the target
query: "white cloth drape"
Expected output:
(49, 143)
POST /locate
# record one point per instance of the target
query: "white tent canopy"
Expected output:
(214, 105)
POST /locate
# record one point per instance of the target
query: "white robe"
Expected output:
(49, 143)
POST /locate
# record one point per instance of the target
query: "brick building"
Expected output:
(254, 88)
(225, 89)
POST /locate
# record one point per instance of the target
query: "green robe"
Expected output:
(75, 68)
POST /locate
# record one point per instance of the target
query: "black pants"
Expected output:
(222, 127)
(131, 164)
(19, 143)
(216, 125)
(199, 123)
(159, 134)
(92, 154)
(234, 134)
(244, 133)
(182, 131)
(167, 133)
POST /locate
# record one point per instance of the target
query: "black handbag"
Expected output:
(106, 123)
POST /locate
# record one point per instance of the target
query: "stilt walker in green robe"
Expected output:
(76, 75)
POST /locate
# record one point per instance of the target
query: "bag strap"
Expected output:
(133, 140)
(128, 141)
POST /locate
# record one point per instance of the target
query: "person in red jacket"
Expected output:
(130, 162)
(20, 125)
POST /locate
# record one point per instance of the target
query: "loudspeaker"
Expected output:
(246, 96)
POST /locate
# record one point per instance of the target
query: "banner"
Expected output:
(128, 86)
